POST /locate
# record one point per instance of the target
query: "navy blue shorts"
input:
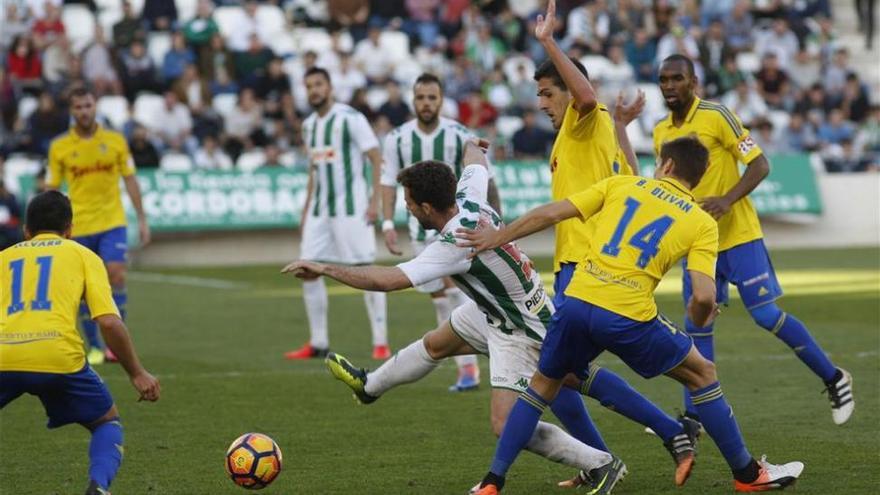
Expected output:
(79, 397)
(749, 268)
(581, 331)
(561, 279)
(110, 245)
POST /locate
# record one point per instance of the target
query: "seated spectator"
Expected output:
(246, 26)
(251, 65)
(779, 40)
(199, 30)
(421, 21)
(47, 29)
(10, 216)
(192, 90)
(176, 59)
(211, 157)
(172, 125)
(738, 26)
(128, 29)
(845, 157)
(804, 70)
(138, 71)
(531, 141)
(56, 64)
(714, 11)
(244, 125)
(272, 157)
(835, 75)
(772, 82)
(350, 16)
(836, 129)
(641, 51)
(588, 27)
(855, 102)
(216, 59)
(275, 83)
(347, 79)
(497, 91)
(524, 90)
(799, 136)
(745, 102)
(464, 80)
(142, 150)
(47, 122)
(24, 66)
(15, 24)
(764, 136)
(815, 106)
(483, 49)
(359, 103)
(618, 75)
(98, 67)
(223, 84)
(511, 29)
(160, 15)
(678, 40)
(714, 48)
(372, 59)
(868, 137)
(395, 110)
(475, 112)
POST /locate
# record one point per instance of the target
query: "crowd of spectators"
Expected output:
(220, 91)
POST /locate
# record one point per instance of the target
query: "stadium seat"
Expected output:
(655, 105)
(250, 160)
(26, 106)
(137, 6)
(641, 142)
(508, 125)
(406, 72)
(288, 159)
(175, 162)
(779, 119)
(224, 103)
(114, 109)
(313, 39)
(748, 62)
(79, 24)
(271, 20)
(596, 65)
(107, 18)
(283, 45)
(16, 166)
(512, 63)
(449, 109)
(146, 106)
(376, 97)
(396, 43)
(225, 18)
(186, 10)
(158, 44)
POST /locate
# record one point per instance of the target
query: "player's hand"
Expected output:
(147, 386)
(144, 231)
(306, 270)
(483, 238)
(717, 206)
(716, 310)
(373, 211)
(391, 242)
(626, 113)
(545, 25)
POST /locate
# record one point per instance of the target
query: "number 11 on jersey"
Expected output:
(41, 300)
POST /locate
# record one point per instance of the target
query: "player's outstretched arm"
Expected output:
(624, 114)
(702, 307)
(584, 95)
(485, 238)
(117, 339)
(372, 277)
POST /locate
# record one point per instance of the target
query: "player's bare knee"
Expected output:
(498, 422)
(116, 274)
(434, 345)
(705, 373)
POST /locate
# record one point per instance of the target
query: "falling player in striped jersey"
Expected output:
(506, 316)
(339, 212)
(429, 137)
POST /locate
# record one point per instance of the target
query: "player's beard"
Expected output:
(319, 104)
(430, 120)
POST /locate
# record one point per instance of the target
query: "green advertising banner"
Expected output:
(273, 198)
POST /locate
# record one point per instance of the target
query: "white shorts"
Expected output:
(513, 358)
(435, 285)
(346, 240)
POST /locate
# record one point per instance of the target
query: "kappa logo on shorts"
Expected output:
(522, 383)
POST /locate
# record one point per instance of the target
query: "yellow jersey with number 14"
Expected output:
(585, 151)
(42, 282)
(728, 142)
(92, 168)
(642, 227)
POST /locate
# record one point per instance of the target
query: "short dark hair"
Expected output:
(48, 211)
(78, 92)
(689, 156)
(317, 70)
(430, 181)
(547, 69)
(677, 57)
(428, 78)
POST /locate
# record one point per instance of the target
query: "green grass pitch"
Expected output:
(215, 338)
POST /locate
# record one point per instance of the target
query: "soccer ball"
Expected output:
(253, 461)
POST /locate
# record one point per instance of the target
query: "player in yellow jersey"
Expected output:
(585, 152)
(42, 281)
(742, 259)
(642, 227)
(91, 160)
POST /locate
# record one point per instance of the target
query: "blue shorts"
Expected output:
(561, 280)
(581, 331)
(79, 397)
(748, 267)
(111, 245)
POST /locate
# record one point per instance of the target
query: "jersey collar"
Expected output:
(76, 137)
(670, 121)
(45, 235)
(678, 185)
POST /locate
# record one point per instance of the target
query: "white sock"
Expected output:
(456, 297)
(377, 311)
(442, 308)
(315, 297)
(553, 443)
(410, 364)
(468, 364)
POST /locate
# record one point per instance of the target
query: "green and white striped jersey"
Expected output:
(336, 145)
(502, 282)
